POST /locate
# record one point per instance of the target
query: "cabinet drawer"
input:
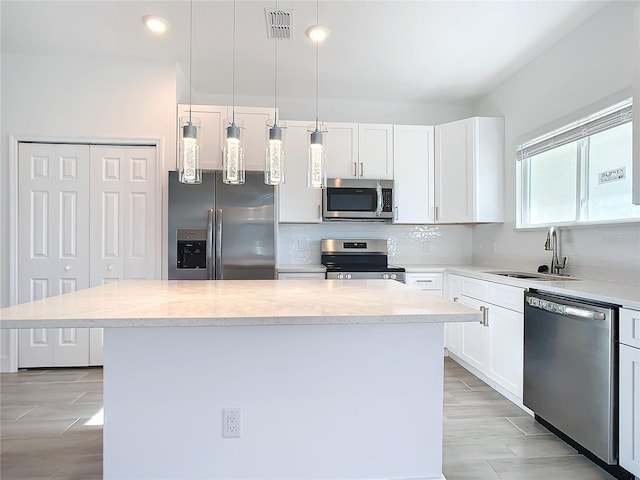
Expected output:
(506, 296)
(301, 276)
(630, 327)
(424, 281)
(475, 288)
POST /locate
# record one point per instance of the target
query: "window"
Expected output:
(580, 173)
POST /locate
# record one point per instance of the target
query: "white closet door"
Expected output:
(123, 219)
(53, 245)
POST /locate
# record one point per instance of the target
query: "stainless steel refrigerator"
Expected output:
(219, 231)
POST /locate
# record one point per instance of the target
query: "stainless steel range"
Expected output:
(358, 259)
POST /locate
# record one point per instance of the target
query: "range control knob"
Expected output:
(393, 276)
(347, 276)
(340, 276)
(385, 276)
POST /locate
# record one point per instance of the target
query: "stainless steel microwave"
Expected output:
(351, 199)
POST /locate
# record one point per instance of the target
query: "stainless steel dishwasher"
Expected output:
(571, 369)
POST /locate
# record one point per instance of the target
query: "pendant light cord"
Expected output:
(317, 63)
(233, 68)
(275, 74)
(190, 54)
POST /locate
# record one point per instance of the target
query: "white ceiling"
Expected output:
(430, 51)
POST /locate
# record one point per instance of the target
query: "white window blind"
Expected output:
(613, 116)
(578, 174)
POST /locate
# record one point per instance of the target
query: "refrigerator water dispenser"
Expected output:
(192, 249)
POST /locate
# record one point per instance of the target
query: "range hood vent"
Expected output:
(279, 23)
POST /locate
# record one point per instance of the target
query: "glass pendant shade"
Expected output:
(189, 166)
(233, 159)
(316, 171)
(274, 158)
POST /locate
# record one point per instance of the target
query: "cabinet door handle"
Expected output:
(435, 213)
(424, 281)
(485, 316)
(455, 299)
(355, 169)
(396, 217)
(361, 169)
(319, 211)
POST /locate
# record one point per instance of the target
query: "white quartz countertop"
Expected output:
(162, 303)
(624, 294)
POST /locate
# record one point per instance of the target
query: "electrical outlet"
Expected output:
(302, 245)
(231, 425)
(426, 246)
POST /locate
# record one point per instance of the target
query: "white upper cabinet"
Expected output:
(375, 151)
(413, 173)
(255, 134)
(211, 132)
(342, 150)
(296, 202)
(469, 171)
(359, 151)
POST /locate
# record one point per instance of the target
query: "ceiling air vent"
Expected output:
(279, 23)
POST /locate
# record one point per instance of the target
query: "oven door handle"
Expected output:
(561, 309)
(379, 200)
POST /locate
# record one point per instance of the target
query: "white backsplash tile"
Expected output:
(408, 244)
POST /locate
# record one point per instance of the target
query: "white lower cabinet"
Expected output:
(427, 282)
(301, 276)
(629, 391)
(506, 341)
(475, 338)
(494, 347)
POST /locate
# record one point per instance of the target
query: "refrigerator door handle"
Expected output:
(209, 252)
(219, 269)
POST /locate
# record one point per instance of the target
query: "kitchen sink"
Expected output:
(533, 276)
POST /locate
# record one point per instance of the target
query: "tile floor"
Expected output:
(44, 432)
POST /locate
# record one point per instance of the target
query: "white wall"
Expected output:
(342, 110)
(80, 98)
(75, 98)
(588, 68)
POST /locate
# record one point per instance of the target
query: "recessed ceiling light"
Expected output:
(155, 24)
(317, 33)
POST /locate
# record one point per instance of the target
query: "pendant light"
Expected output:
(189, 167)
(233, 158)
(316, 170)
(274, 158)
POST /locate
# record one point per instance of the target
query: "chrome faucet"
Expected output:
(552, 244)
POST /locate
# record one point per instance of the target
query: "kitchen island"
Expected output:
(332, 379)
